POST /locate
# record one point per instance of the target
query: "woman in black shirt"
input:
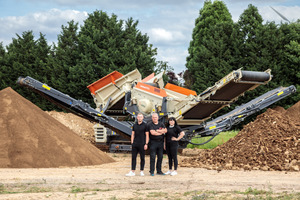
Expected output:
(173, 135)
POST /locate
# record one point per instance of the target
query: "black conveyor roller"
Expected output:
(255, 76)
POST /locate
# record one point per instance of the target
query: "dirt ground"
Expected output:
(108, 181)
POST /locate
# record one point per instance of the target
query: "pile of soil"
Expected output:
(30, 138)
(82, 127)
(271, 142)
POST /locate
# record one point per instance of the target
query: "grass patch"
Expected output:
(255, 192)
(101, 182)
(200, 197)
(36, 190)
(101, 190)
(197, 195)
(286, 196)
(22, 189)
(76, 189)
(218, 140)
(157, 194)
(194, 192)
(248, 194)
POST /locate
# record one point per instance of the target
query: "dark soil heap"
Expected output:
(271, 142)
(30, 138)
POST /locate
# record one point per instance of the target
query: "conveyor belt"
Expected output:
(225, 122)
(255, 76)
(253, 106)
(202, 110)
(77, 107)
(230, 91)
(224, 92)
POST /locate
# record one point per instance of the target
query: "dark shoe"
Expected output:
(160, 173)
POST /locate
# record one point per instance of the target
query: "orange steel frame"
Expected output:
(110, 78)
(151, 89)
(180, 90)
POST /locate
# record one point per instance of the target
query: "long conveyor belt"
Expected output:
(224, 92)
(75, 106)
(225, 122)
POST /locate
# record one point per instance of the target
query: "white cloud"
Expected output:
(161, 35)
(292, 13)
(48, 23)
(138, 4)
(176, 57)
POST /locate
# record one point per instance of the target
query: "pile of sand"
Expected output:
(80, 126)
(271, 142)
(30, 138)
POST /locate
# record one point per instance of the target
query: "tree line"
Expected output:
(80, 57)
(105, 43)
(219, 46)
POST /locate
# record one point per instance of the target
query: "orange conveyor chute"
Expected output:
(110, 78)
(180, 90)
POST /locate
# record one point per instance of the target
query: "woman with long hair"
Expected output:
(173, 135)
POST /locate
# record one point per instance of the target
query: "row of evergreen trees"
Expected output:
(104, 44)
(80, 57)
(219, 46)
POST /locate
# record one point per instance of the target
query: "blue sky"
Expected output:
(168, 23)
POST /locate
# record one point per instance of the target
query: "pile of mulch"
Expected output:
(271, 142)
(30, 138)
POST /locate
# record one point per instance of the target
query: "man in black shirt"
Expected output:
(157, 131)
(139, 141)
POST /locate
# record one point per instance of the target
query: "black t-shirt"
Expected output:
(159, 126)
(139, 133)
(173, 132)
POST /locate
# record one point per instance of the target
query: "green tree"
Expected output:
(3, 67)
(250, 26)
(268, 47)
(65, 56)
(211, 49)
(292, 57)
(288, 72)
(28, 57)
(107, 44)
(42, 52)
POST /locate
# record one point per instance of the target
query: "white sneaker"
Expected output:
(142, 173)
(131, 173)
(168, 172)
(173, 173)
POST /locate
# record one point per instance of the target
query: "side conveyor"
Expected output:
(75, 106)
(225, 122)
(224, 92)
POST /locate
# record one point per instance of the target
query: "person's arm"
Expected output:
(147, 140)
(147, 137)
(162, 131)
(132, 137)
(181, 135)
(155, 132)
(165, 141)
